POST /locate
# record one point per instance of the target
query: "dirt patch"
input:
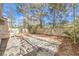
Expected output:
(67, 48)
(76, 49)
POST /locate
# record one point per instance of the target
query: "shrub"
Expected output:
(32, 29)
(72, 32)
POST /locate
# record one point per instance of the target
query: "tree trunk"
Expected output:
(74, 24)
(0, 10)
(54, 19)
(10, 14)
(41, 22)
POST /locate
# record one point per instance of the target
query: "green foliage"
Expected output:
(72, 32)
(69, 33)
(64, 22)
(32, 28)
(1, 20)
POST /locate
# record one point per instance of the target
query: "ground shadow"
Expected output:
(3, 46)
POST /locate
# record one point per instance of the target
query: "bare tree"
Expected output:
(10, 14)
(1, 9)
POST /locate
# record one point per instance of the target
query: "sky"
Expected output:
(16, 16)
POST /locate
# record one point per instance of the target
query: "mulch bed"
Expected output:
(68, 48)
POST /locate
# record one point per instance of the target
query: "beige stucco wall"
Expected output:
(4, 33)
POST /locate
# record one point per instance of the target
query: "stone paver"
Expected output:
(19, 46)
(49, 46)
(13, 47)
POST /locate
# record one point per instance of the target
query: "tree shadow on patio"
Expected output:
(3, 46)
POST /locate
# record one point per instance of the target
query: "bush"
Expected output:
(1, 21)
(72, 33)
(32, 29)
